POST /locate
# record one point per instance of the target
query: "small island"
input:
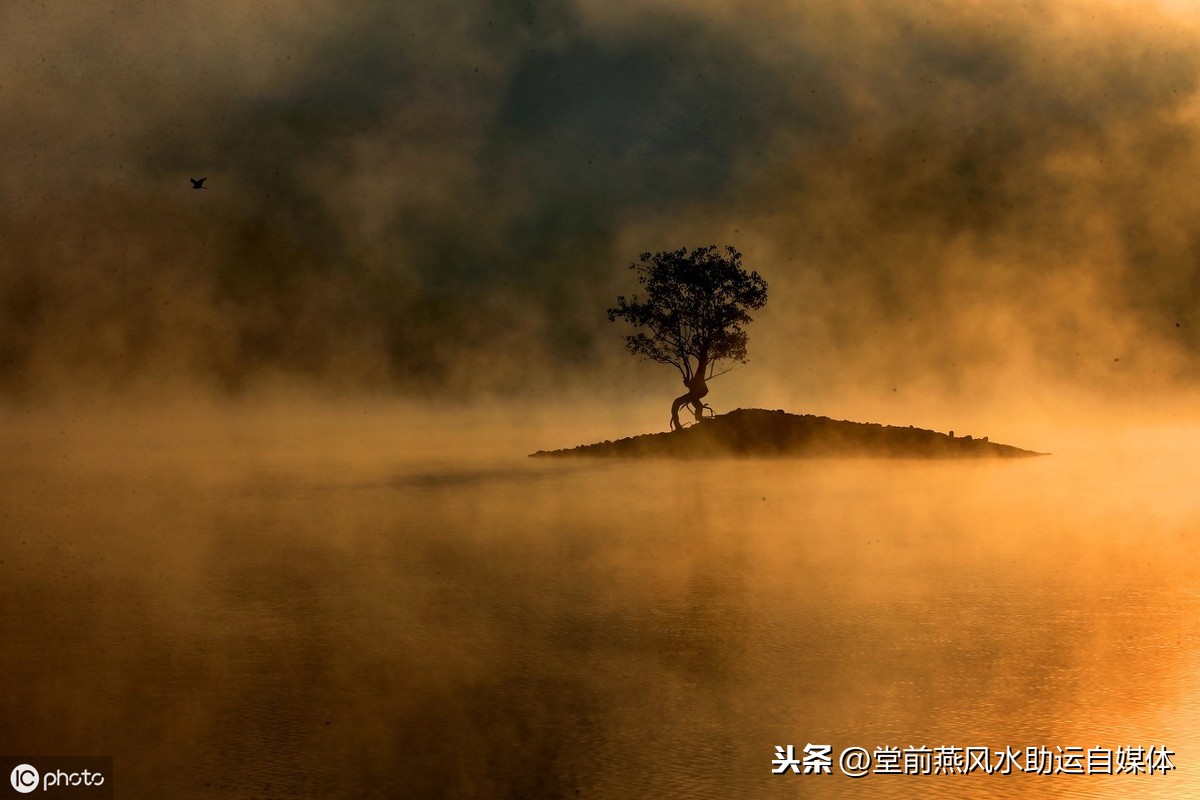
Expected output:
(691, 314)
(758, 433)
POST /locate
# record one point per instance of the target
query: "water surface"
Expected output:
(227, 626)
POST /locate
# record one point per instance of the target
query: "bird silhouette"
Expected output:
(197, 183)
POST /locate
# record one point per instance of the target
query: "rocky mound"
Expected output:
(755, 432)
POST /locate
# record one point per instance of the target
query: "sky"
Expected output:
(958, 200)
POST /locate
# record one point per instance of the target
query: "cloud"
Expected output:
(938, 193)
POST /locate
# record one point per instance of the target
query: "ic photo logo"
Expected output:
(24, 778)
(82, 777)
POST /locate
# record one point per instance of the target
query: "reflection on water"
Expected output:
(520, 629)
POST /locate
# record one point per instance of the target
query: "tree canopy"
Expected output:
(691, 314)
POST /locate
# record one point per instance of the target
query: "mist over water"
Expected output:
(270, 612)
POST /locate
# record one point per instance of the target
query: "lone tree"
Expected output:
(693, 314)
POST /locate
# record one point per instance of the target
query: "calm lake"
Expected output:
(500, 627)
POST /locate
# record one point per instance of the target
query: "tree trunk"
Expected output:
(697, 390)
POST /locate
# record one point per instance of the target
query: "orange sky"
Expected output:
(949, 200)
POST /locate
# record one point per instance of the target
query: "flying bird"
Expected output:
(197, 183)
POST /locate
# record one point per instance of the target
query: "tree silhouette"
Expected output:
(692, 315)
